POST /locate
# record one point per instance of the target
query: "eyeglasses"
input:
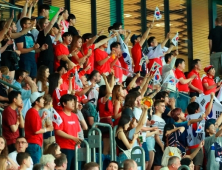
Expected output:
(22, 142)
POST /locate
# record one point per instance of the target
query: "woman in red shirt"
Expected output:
(55, 82)
(209, 84)
(118, 97)
(105, 108)
(79, 57)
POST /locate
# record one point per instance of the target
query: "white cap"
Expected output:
(34, 96)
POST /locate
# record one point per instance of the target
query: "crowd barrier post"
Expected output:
(82, 154)
(114, 143)
(110, 135)
(139, 158)
(183, 167)
(95, 141)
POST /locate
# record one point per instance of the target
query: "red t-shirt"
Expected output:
(102, 111)
(181, 87)
(100, 55)
(80, 55)
(197, 81)
(69, 125)
(57, 94)
(136, 55)
(9, 117)
(91, 58)
(124, 65)
(60, 49)
(210, 80)
(33, 123)
(118, 72)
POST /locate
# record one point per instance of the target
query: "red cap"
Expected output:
(206, 69)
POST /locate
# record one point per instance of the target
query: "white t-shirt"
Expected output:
(13, 156)
(39, 85)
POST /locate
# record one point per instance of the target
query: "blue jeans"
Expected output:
(122, 157)
(144, 146)
(35, 152)
(183, 101)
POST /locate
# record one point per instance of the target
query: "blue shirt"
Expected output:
(183, 137)
(28, 42)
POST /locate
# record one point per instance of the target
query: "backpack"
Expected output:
(168, 152)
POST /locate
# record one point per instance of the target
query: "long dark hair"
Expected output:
(102, 93)
(5, 150)
(42, 78)
(130, 99)
(124, 119)
(53, 82)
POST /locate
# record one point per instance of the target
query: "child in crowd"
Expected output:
(24, 160)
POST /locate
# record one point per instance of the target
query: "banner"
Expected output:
(52, 12)
(157, 77)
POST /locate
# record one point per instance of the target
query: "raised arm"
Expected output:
(104, 41)
(29, 14)
(6, 27)
(52, 22)
(127, 37)
(131, 84)
(209, 108)
(145, 35)
(19, 34)
(165, 41)
(93, 39)
(142, 119)
(24, 10)
(108, 89)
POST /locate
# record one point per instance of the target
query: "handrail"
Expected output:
(141, 156)
(184, 166)
(110, 134)
(8, 84)
(91, 133)
(87, 154)
(114, 143)
(177, 92)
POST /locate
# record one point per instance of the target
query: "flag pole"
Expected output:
(125, 69)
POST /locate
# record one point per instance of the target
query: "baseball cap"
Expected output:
(34, 96)
(134, 37)
(209, 122)
(206, 69)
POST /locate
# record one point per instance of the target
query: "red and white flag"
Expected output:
(157, 14)
(175, 39)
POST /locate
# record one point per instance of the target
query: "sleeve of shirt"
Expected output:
(36, 125)
(179, 75)
(208, 142)
(11, 118)
(210, 35)
(98, 55)
(58, 50)
(80, 116)
(39, 85)
(19, 40)
(204, 81)
(25, 93)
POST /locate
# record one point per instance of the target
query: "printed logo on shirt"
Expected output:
(71, 122)
(29, 42)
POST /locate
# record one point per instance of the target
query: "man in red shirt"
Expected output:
(183, 88)
(11, 120)
(195, 85)
(66, 133)
(62, 52)
(208, 82)
(33, 127)
(136, 51)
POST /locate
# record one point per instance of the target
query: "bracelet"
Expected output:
(70, 55)
(45, 130)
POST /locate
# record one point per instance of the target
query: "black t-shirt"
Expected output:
(216, 36)
(46, 55)
(72, 30)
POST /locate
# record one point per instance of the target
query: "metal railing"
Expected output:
(8, 84)
(110, 135)
(183, 167)
(114, 143)
(139, 158)
(82, 154)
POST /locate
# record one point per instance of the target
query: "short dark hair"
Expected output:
(110, 28)
(60, 160)
(102, 37)
(38, 167)
(92, 74)
(179, 61)
(195, 62)
(116, 25)
(12, 95)
(167, 57)
(19, 73)
(21, 137)
(185, 161)
(37, 100)
(114, 45)
(87, 36)
(63, 11)
(67, 97)
(161, 95)
(90, 165)
(150, 40)
(71, 16)
(192, 107)
(21, 156)
(43, 6)
(157, 102)
(24, 20)
(66, 34)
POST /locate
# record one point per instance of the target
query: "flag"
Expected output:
(171, 80)
(157, 77)
(157, 14)
(204, 101)
(195, 132)
(77, 80)
(52, 12)
(143, 59)
(219, 96)
(55, 117)
(125, 53)
(155, 66)
(175, 39)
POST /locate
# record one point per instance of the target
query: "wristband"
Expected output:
(45, 130)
